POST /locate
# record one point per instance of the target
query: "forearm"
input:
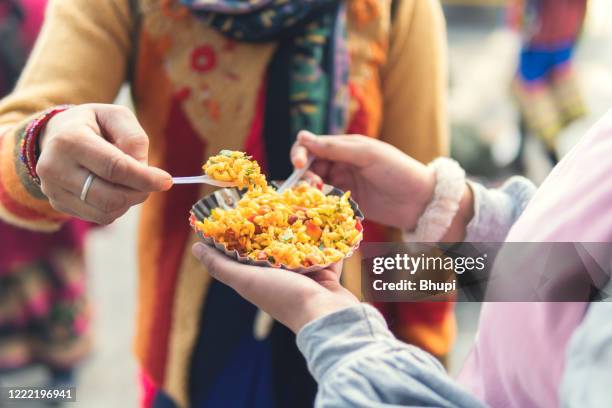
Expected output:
(358, 362)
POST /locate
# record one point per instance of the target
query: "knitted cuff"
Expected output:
(439, 214)
(30, 149)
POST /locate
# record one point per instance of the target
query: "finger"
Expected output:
(253, 283)
(346, 149)
(111, 164)
(339, 172)
(329, 275)
(299, 155)
(343, 182)
(120, 126)
(64, 201)
(321, 167)
(313, 179)
(102, 195)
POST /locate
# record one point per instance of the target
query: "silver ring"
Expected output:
(87, 185)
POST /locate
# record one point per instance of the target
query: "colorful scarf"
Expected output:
(307, 79)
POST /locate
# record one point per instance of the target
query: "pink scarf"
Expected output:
(519, 355)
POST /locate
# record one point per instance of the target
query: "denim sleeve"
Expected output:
(357, 362)
(587, 377)
(496, 210)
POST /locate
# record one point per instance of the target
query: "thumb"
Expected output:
(120, 126)
(351, 149)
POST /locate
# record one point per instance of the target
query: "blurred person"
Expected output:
(546, 87)
(206, 76)
(43, 308)
(20, 24)
(526, 354)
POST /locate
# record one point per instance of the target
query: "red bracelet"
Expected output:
(29, 143)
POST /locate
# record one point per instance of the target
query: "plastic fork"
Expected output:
(296, 175)
(202, 180)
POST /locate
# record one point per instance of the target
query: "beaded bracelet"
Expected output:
(30, 149)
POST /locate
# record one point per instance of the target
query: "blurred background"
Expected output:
(489, 134)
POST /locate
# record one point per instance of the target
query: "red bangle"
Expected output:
(29, 143)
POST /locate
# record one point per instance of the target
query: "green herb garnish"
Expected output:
(287, 235)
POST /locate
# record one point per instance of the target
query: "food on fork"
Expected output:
(235, 167)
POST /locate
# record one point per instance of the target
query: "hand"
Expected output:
(291, 298)
(108, 141)
(391, 187)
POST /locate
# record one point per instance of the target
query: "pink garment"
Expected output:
(519, 355)
(21, 247)
(33, 16)
(147, 390)
(34, 11)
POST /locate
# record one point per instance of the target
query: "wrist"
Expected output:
(458, 228)
(439, 214)
(52, 118)
(320, 307)
(31, 144)
(420, 200)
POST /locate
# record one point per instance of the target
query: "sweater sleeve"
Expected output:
(496, 210)
(415, 109)
(80, 57)
(356, 361)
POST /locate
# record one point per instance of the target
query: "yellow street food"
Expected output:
(235, 167)
(301, 227)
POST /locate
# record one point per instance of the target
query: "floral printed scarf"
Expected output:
(307, 78)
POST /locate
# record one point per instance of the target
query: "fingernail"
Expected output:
(164, 179)
(198, 250)
(168, 183)
(299, 162)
